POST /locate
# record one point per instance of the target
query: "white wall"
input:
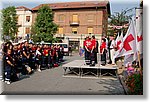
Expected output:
(22, 21)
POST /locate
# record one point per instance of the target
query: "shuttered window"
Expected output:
(74, 30)
(61, 18)
(90, 30)
(28, 18)
(60, 30)
(75, 18)
(27, 30)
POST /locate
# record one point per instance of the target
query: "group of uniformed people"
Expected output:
(91, 50)
(24, 58)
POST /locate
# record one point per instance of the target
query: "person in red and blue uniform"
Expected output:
(87, 47)
(93, 51)
(103, 52)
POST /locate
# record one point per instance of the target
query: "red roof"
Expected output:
(22, 7)
(67, 5)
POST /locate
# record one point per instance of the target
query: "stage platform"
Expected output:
(78, 68)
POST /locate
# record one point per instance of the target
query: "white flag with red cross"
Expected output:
(129, 42)
(139, 29)
(119, 44)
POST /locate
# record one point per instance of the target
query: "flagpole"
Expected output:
(138, 31)
(139, 57)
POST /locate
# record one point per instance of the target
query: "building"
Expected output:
(1, 25)
(77, 20)
(24, 16)
(141, 3)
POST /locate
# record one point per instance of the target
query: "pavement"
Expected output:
(51, 81)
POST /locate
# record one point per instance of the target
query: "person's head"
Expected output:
(30, 45)
(19, 46)
(52, 46)
(38, 48)
(10, 46)
(23, 44)
(26, 43)
(112, 37)
(45, 46)
(87, 38)
(58, 46)
(93, 37)
(103, 40)
(9, 51)
(15, 47)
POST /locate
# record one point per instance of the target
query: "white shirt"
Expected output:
(38, 53)
(112, 45)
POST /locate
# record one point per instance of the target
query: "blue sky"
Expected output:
(116, 5)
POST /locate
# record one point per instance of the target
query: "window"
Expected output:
(27, 30)
(90, 30)
(61, 18)
(60, 30)
(74, 30)
(27, 18)
(75, 18)
(90, 18)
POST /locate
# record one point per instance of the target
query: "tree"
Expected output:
(9, 25)
(119, 19)
(44, 28)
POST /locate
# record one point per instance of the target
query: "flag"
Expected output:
(119, 41)
(130, 58)
(119, 44)
(129, 41)
(139, 31)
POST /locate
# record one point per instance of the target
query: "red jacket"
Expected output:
(93, 43)
(46, 52)
(88, 44)
(102, 47)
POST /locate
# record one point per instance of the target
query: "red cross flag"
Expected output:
(129, 42)
(139, 31)
(119, 41)
(119, 44)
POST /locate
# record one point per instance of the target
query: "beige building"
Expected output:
(77, 20)
(24, 21)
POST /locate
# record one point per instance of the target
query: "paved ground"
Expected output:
(51, 81)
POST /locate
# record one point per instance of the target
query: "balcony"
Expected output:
(74, 23)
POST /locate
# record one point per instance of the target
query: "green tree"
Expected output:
(44, 28)
(9, 25)
(119, 19)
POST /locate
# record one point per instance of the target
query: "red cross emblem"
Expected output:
(126, 45)
(139, 38)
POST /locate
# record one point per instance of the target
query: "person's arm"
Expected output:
(87, 49)
(102, 51)
(10, 63)
(24, 53)
(93, 47)
(38, 52)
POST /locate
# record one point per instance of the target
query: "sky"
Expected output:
(116, 5)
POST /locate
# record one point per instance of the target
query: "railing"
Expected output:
(74, 23)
